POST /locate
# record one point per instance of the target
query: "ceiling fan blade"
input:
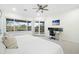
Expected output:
(45, 9)
(45, 6)
(39, 5)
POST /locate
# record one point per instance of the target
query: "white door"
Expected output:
(39, 27)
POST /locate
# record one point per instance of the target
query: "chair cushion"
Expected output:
(9, 41)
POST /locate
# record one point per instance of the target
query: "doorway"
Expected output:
(39, 28)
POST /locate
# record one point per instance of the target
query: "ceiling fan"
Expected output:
(41, 8)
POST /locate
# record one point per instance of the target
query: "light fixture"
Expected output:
(14, 9)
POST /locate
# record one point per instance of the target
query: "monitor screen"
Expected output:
(56, 22)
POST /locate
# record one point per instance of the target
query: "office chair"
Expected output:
(52, 34)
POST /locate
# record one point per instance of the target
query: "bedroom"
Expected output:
(26, 20)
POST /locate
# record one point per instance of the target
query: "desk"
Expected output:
(53, 32)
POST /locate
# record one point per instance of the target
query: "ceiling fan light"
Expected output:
(14, 9)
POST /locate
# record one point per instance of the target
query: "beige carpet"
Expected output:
(68, 47)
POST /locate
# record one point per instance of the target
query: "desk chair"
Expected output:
(52, 34)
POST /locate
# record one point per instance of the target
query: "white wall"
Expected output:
(14, 15)
(69, 23)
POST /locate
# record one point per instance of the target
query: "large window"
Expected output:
(9, 25)
(29, 25)
(17, 25)
(20, 25)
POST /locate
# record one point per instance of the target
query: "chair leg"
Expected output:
(52, 38)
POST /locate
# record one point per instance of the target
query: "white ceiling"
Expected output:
(53, 9)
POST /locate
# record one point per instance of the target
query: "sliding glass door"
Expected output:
(41, 27)
(38, 27)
